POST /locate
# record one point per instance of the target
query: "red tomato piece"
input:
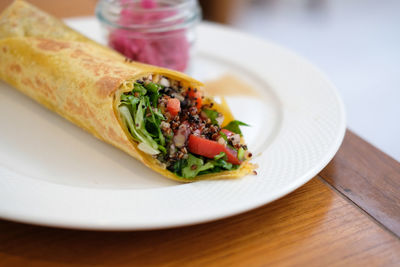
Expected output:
(209, 149)
(173, 106)
(195, 95)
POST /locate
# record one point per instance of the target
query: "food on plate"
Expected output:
(181, 129)
(156, 115)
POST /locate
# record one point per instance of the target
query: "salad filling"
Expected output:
(180, 128)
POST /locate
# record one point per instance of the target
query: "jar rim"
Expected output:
(190, 18)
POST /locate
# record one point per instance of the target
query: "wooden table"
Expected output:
(348, 215)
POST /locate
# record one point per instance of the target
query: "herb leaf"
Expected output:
(233, 126)
(152, 87)
(212, 115)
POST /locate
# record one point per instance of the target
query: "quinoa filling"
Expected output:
(180, 128)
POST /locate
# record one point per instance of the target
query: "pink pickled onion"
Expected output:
(148, 4)
(168, 49)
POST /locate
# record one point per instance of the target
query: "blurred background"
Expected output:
(355, 42)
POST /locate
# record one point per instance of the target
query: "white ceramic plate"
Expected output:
(53, 173)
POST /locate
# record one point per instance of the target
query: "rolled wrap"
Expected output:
(79, 79)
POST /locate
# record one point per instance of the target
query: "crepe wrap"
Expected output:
(79, 79)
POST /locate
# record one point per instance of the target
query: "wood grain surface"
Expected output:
(314, 226)
(369, 178)
(347, 216)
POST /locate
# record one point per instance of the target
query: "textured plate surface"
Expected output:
(53, 173)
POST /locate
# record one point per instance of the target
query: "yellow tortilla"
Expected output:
(79, 79)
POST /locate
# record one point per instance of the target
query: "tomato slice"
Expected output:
(209, 149)
(173, 106)
(195, 95)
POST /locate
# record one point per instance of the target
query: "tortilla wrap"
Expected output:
(79, 79)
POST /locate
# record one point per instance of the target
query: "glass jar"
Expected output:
(156, 32)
